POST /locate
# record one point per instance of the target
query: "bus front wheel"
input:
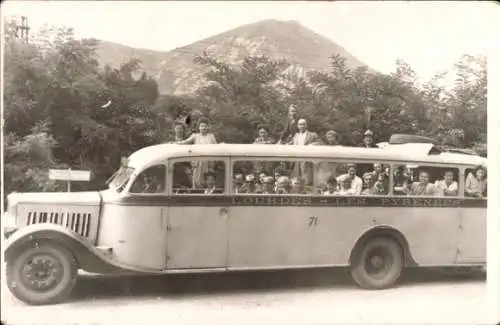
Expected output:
(378, 264)
(41, 273)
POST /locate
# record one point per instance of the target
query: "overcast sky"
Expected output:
(430, 36)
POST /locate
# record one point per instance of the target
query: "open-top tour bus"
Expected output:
(148, 222)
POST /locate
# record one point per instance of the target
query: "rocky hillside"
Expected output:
(177, 74)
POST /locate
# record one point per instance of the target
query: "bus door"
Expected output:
(198, 214)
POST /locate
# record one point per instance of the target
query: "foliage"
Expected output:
(56, 80)
(55, 115)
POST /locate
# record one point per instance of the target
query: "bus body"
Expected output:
(123, 230)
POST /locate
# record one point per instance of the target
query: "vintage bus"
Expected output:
(215, 208)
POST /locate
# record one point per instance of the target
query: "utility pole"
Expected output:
(22, 29)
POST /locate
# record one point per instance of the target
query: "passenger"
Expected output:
(238, 183)
(381, 186)
(345, 185)
(356, 183)
(447, 186)
(369, 182)
(377, 169)
(267, 185)
(476, 183)
(283, 185)
(249, 187)
(423, 187)
(298, 186)
(331, 186)
(183, 177)
(401, 181)
(263, 135)
(368, 140)
(210, 182)
(261, 177)
(290, 127)
(203, 137)
(332, 138)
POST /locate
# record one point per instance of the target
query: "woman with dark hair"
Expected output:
(179, 133)
(475, 183)
(263, 138)
(202, 137)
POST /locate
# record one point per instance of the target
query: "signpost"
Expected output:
(69, 175)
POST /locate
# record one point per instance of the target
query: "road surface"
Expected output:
(284, 297)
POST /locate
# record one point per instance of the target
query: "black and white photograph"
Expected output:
(250, 162)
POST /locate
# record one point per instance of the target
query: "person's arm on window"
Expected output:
(189, 140)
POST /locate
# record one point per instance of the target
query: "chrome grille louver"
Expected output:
(77, 222)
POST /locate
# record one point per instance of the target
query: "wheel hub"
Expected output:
(41, 273)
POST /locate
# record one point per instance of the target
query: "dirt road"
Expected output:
(305, 297)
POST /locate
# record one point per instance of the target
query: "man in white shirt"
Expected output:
(356, 181)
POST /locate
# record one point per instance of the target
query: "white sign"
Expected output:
(69, 175)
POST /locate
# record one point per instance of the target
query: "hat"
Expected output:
(331, 132)
(368, 133)
(250, 178)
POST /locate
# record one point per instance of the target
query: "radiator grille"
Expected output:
(78, 222)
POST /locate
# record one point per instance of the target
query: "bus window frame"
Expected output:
(138, 172)
(461, 177)
(170, 173)
(234, 159)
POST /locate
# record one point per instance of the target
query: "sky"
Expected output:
(430, 36)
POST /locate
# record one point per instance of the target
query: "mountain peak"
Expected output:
(176, 72)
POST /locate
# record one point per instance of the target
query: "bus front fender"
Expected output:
(89, 258)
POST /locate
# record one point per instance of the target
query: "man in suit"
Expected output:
(290, 127)
(303, 137)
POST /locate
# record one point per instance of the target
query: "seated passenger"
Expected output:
(381, 186)
(238, 183)
(298, 186)
(355, 182)
(283, 185)
(210, 182)
(401, 181)
(377, 169)
(423, 187)
(345, 186)
(368, 179)
(476, 183)
(183, 178)
(447, 186)
(249, 187)
(267, 185)
(331, 186)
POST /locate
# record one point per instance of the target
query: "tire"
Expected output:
(42, 273)
(384, 251)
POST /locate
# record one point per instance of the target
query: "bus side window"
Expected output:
(150, 181)
(272, 177)
(434, 181)
(199, 177)
(476, 182)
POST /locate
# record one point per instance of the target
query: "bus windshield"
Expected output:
(120, 178)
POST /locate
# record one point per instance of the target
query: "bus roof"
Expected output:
(404, 153)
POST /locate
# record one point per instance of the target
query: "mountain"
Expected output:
(176, 72)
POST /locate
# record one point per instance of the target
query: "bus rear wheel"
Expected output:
(42, 273)
(378, 264)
